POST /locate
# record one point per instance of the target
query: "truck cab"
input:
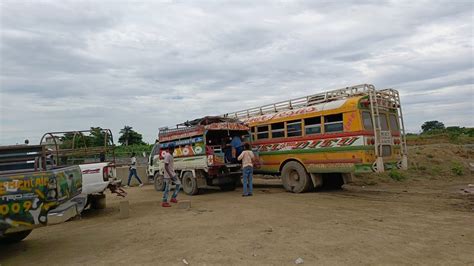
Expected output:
(205, 155)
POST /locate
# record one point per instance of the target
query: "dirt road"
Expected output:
(404, 224)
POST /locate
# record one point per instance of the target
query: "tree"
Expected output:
(430, 126)
(96, 137)
(130, 137)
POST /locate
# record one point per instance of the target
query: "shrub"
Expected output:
(396, 175)
(457, 168)
(431, 156)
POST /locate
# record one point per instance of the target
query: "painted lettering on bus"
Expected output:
(312, 144)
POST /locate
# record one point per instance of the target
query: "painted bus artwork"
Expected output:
(329, 136)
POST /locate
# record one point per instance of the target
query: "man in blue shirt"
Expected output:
(236, 143)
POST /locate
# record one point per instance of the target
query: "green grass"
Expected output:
(457, 168)
(396, 175)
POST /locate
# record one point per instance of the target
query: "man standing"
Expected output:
(170, 176)
(133, 171)
(247, 157)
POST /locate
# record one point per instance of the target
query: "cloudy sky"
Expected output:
(68, 65)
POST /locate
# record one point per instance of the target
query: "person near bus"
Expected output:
(247, 158)
(237, 147)
(133, 171)
(170, 176)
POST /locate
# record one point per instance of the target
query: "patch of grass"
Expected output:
(396, 175)
(457, 168)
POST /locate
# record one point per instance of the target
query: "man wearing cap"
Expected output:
(170, 176)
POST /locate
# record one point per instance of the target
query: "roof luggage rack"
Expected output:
(333, 95)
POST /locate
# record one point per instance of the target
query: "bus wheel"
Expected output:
(159, 183)
(189, 184)
(295, 178)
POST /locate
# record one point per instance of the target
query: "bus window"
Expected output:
(386, 150)
(253, 130)
(393, 123)
(312, 125)
(278, 130)
(367, 119)
(262, 132)
(383, 122)
(294, 128)
(333, 123)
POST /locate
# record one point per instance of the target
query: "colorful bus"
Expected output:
(203, 156)
(328, 136)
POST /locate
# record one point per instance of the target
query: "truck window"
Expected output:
(333, 123)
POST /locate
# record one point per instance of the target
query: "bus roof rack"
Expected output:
(387, 96)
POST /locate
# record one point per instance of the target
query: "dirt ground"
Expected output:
(410, 222)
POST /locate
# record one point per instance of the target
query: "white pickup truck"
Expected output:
(96, 178)
(71, 148)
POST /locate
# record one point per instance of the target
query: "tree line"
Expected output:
(99, 137)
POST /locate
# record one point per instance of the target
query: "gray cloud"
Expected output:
(75, 64)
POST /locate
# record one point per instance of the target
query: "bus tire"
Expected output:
(159, 182)
(190, 186)
(295, 178)
(14, 237)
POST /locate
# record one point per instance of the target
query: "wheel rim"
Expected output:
(188, 184)
(293, 178)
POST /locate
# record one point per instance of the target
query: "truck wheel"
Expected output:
(159, 183)
(228, 187)
(295, 178)
(14, 237)
(190, 184)
(98, 202)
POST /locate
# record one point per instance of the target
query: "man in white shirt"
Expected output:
(247, 157)
(133, 171)
(170, 176)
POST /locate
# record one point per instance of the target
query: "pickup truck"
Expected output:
(98, 171)
(34, 193)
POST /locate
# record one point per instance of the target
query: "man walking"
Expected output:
(170, 176)
(133, 171)
(247, 157)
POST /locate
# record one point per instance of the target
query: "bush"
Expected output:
(431, 156)
(396, 175)
(457, 168)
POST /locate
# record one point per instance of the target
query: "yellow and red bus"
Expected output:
(328, 136)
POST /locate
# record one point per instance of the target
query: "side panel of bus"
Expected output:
(335, 141)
